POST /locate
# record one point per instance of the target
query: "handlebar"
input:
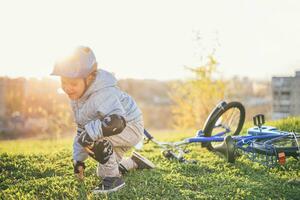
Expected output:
(169, 146)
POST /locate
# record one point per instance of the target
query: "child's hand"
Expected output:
(88, 149)
(79, 169)
(80, 175)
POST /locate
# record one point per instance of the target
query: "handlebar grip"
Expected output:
(147, 134)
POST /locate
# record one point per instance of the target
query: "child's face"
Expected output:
(73, 87)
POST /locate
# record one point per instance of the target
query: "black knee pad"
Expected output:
(102, 151)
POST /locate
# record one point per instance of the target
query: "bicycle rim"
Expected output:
(230, 119)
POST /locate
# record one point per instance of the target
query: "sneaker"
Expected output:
(109, 184)
(142, 162)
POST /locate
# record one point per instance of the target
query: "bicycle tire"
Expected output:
(273, 149)
(217, 114)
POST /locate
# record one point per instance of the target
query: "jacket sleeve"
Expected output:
(79, 154)
(105, 103)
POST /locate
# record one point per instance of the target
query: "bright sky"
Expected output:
(152, 39)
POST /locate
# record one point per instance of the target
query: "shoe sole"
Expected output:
(108, 191)
(147, 163)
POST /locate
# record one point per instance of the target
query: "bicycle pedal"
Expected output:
(259, 120)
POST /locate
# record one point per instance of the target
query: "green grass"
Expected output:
(41, 169)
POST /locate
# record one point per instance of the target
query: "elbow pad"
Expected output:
(113, 125)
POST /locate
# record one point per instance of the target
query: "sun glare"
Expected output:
(60, 91)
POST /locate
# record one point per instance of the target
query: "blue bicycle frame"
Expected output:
(265, 132)
(245, 142)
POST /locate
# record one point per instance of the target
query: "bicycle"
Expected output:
(220, 134)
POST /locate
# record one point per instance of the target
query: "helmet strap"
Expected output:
(86, 85)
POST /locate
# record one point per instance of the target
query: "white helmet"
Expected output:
(78, 65)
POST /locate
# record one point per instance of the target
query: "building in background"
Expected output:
(286, 96)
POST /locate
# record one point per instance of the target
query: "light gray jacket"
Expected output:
(102, 98)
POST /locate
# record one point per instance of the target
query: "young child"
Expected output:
(108, 119)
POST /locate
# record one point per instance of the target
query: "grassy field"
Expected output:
(32, 169)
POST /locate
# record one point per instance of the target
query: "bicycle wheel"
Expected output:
(227, 118)
(289, 145)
